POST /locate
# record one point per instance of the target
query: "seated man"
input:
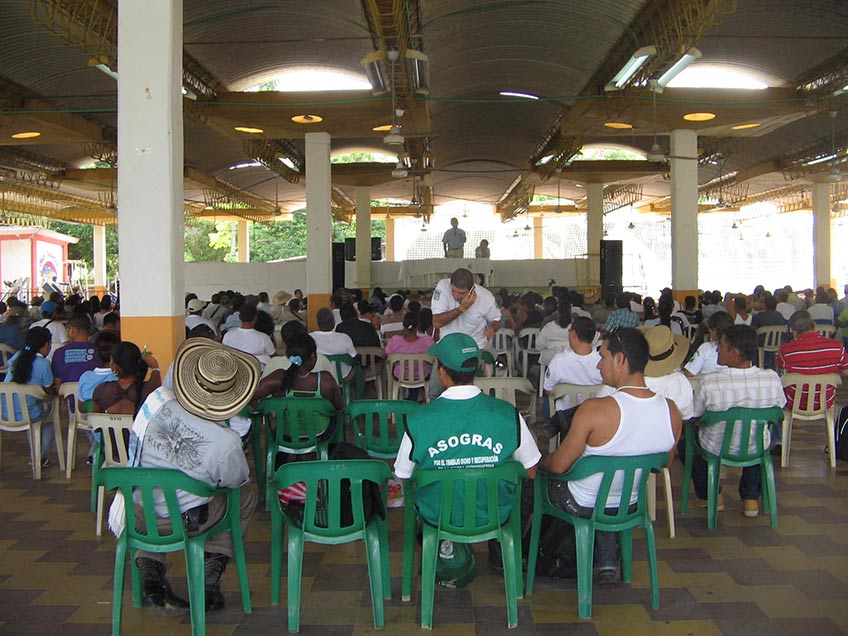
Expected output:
(736, 383)
(195, 317)
(633, 421)
(361, 332)
(462, 425)
(622, 316)
(247, 339)
(579, 365)
(76, 357)
(185, 430)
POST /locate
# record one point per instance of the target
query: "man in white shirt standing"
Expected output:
(454, 240)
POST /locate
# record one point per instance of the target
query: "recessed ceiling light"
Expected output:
(383, 128)
(699, 116)
(744, 126)
(307, 119)
(515, 94)
(249, 130)
(618, 125)
(26, 135)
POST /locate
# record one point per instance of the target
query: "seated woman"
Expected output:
(409, 341)
(30, 366)
(553, 338)
(126, 395)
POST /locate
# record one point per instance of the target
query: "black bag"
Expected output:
(840, 435)
(557, 556)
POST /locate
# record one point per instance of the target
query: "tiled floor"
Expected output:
(744, 578)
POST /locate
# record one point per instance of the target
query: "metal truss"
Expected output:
(826, 79)
(236, 201)
(517, 201)
(620, 196)
(269, 152)
(29, 167)
(718, 149)
(565, 148)
(815, 158)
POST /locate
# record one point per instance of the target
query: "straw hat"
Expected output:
(667, 350)
(212, 381)
(281, 298)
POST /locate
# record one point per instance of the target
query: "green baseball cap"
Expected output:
(454, 350)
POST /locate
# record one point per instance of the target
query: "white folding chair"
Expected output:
(12, 394)
(412, 373)
(772, 339)
(503, 343)
(6, 352)
(76, 420)
(828, 331)
(813, 390)
(523, 352)
(114, 435)
(372, 361)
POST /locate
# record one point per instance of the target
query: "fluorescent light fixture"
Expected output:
(419, 68)
(820, 160)
(289, 164)
(374, 72)
(629, 69)
(744, 126)
(685, 60)
(107, 70)
(517, 94)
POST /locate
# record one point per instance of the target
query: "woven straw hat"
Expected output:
(667, 350)
(281, 298)
(212, 381)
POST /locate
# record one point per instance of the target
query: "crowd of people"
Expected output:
(641, 355)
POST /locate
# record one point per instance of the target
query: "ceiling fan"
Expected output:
(656, 153)
(277, 210)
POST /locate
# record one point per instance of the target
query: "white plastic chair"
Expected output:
(828, 331)
(576, 393)
(373, 368)
(503, 343)
(411, 371)
(815, 387)
(11, 394)
(113, 441)
(772, 339)
(508, 389)
(76, 420)
(523, 353)
(6, 352)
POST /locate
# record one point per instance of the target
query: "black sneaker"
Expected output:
(214, 598)
(607, 577)
(495, 556)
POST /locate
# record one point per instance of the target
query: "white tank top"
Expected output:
(644, 428)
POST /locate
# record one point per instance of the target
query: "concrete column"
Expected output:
(594, 231)
(150, 174)
(99, 244)
(243, 242)
(390, 239)
(363, 239)
(319, 223)
(821, 235)
(684, 213)
(538, 243)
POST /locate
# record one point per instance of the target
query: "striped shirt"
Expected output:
(752, 388)
(621, 318)
(812, 354)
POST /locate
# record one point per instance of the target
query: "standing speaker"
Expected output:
(611, 267)
(376, 248)
(338, 258)
(350, 249)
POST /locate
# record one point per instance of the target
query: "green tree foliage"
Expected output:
(199, 246)
(84, 249)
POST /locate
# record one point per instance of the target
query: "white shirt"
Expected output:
(527, 453)
(552, 340)
(332, 343)
(57, 331)
(725, 388)
(822, 312)
(192, 320)
(251, 341)
(739, 320)
(475, 319)
(572, 368)
(786, 309)
(675, 386)
(705, 359)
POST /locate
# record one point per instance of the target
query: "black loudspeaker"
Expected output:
(376, 249)
(350, 249)
(338, 259)
(611, 267)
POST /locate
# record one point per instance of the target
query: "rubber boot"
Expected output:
(155, 589)
(213, 569)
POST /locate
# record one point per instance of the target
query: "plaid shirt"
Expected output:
(752, 388)
(621, 318)
(812, 354)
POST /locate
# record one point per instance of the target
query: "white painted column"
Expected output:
(319, 225)
(684, 212)
(821, 234)
(363, 239)
(99, 245)
(150, 173)
(243, 242)
(594, 230)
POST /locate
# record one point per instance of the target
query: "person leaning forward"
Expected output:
(633, 421)
(185, 430)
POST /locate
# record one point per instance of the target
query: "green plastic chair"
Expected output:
(300, 427)
(351, 387)
(255, 442)
(746, 421)
(615, 519)
(378, 425)
(146, 481)
(322, 523)
(465, 518)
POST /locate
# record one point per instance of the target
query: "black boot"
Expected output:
(155, 589)
(213, 569)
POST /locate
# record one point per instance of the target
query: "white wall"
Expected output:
(204, 279)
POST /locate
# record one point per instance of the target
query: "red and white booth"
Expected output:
(32, 258)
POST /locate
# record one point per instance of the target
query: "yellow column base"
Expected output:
(161, 334)
(316, 302)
